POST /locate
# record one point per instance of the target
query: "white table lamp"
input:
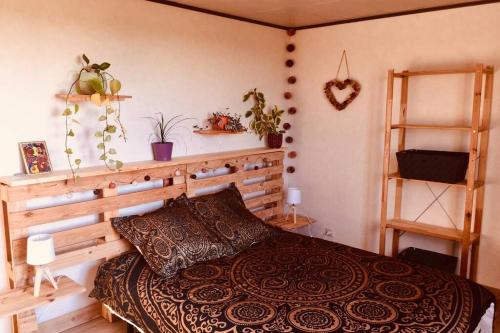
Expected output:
(294, 198)
(41, 252)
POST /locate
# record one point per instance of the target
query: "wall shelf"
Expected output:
(75, 98)
(217, 132)
(430, 230)
(22, 299)
(463, 183)
(432, 127)
(287, 224)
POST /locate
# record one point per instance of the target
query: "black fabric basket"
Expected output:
(436, 260)
(433, 165)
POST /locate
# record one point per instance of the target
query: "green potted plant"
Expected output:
(163, 134)
(93, 79)
(265, 124)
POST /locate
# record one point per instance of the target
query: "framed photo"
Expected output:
(35, 157)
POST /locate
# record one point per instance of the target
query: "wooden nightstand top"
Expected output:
(287, 224)
(22, 299)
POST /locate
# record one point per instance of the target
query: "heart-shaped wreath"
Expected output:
(341, 85)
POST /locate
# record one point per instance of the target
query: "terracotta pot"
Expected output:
(219, 123)
(274, 140)
(162, 151)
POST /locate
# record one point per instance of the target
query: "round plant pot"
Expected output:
(162, 151)
(219, 123)
(274, 140)
(83, 86)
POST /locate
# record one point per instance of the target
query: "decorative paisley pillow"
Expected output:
(172, 238)
(225, 213)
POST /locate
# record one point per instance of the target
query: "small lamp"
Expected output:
(40, 253)
(294, 198)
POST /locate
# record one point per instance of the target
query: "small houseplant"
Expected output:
(93, 79)
(224, 121)
(265, 124)
(164, 134)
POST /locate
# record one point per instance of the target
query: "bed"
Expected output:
(292, 283)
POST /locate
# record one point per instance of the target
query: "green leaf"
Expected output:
(95, 66)
(86, 59)
(112, 151)
(67, 112)
(77, 108)
(98, 134)
(71, 133)
(103, 157)
(107, 138)
(248, 114)
(104, 66)
(101, 146)
(119, 164)
(78, 161)
(96, 85)
(111, 129)
(115, 86)
(69, 151)
(102, 118)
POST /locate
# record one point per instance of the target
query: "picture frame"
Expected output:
(36, 157)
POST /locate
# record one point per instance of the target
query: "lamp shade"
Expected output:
(40, 250)
(294, 196)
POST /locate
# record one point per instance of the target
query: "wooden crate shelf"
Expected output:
(463, 183)
(287, 224)
(75, 98)
(22, 299)
(429, 230)
(217, 132)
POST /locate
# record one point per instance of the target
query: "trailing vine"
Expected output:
(263, 123)
(97, 87)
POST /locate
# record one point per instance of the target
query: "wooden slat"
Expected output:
(429, 230)
(14, 181)
(432, 127)
(16, 301)
(194, 184)
(262, 200)
(261, 186)
(239, 161)
(71, 320)
(22, 272)
(62, 187)
(66, 238)
(467, 70)
(267, 213)
(21, 221)
(25, 322)
(387, 157)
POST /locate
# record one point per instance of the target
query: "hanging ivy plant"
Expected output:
(263, 123)
(96, 81)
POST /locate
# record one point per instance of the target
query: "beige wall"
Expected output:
(340, 164)
(170, 60)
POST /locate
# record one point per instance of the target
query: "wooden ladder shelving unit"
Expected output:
(474, 184)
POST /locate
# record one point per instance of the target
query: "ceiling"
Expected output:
(310, 13)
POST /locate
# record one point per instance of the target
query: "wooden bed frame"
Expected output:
(99, 241)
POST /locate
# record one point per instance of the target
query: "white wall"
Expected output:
(170, 60)
(340, 163)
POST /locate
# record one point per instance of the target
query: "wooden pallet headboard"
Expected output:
(97, 241)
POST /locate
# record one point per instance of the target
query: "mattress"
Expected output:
(292, 283)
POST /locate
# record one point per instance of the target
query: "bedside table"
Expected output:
(282, 223)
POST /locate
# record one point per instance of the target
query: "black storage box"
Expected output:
(436, 260)
(433, 165)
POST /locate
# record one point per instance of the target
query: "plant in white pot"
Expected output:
(164, 133)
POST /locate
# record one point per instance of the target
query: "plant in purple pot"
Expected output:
(164, 134)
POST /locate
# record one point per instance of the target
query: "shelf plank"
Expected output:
(463, 183)
(433, 127)
(217, 132)
(20, 300)
(429, 230)
(75, 98)
(287, 224)
(468, 70)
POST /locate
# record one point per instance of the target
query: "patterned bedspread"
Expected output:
(292, 283)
